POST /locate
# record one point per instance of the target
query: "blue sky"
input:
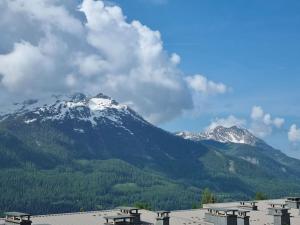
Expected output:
(236, 62)
(251, 46)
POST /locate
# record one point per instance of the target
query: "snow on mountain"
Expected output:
(80, 107)
(224, 135)
(101, 109)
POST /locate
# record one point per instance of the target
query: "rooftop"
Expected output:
(182, 217)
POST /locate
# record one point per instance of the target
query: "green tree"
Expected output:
(141, 205)
(195, 206)
(260, 196)
(207, 197)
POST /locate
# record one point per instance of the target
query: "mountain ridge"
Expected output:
(98, 123)
(233, 134)
(63, 106)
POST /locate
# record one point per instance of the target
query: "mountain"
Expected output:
(241, 144)
(77, 107)
(72, 152)
(77, 126)
(222, 134)
(65, 153)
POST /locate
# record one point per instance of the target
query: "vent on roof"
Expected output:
(293, 202)
(163, 218)
(281, 214)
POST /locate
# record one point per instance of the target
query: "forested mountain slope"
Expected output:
(70, 152)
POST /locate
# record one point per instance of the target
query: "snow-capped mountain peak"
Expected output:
(223, 134)
(78, 107)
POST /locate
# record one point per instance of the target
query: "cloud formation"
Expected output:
(52, 46)
(294, 134)
(262, 123)
(201, 84)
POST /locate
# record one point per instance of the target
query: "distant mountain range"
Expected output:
(222, 134)
(65, 153)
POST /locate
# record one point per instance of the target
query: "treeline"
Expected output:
(89, 185)
(95, 185)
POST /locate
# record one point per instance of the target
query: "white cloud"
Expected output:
(47, 14)
(50, 46)
(278, 122)
(24, 63)
(257, 113)
(201, 84)
(91, 65)
(227, 122)
(262, 123)
(175, 59)
(294, 133)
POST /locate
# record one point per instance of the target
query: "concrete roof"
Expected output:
(182, 217)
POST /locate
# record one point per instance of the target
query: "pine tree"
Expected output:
(207, 197)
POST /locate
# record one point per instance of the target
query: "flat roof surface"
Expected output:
(182, 217)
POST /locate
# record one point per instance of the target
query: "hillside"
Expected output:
(73, 152)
